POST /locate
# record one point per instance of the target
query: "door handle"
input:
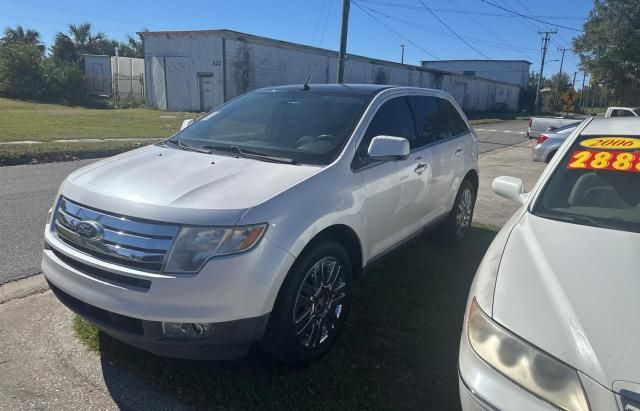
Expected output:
(420, 167)
(458, 152)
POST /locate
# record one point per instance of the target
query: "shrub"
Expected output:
(64, 81)
(21, 71)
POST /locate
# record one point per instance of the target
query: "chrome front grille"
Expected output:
(122, 240)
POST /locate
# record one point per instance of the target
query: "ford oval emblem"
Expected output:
(90, 230)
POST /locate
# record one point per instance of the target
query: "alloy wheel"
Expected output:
(464, 212)
(319, 303)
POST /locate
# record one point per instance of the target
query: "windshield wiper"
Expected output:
(573, 218)
(186, 147)
(251, 154)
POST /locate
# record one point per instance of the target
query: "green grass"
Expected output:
(398, 351)
(22, 120)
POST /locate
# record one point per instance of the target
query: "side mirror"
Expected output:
(510, 187)
(186, 123)
(387, 148)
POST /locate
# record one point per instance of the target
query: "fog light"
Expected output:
(186, 330)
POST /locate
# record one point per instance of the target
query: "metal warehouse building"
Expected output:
(198, 70)
(508, 71)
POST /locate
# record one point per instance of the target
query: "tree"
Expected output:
(79, 40)
(609, 48)
(132, 47)
(21, 36)
(21, 70)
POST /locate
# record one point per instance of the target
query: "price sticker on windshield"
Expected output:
(616, 143)
(605, 160)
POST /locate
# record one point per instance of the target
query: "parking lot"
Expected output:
(399, 349)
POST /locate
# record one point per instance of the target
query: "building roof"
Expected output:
(476, 61)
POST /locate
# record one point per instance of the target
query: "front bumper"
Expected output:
(228, 340)
(236, 293)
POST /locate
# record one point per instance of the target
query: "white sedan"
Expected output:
(552, 315)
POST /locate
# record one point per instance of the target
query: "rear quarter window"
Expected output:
(456, 124)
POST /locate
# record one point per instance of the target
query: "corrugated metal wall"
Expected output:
(238, 63)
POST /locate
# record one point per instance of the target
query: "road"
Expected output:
(27, 192)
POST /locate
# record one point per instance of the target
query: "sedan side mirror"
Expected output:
(186, 123)
(510, 187)
(387, 148)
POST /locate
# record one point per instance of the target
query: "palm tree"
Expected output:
(22, 36)
(132, 47)
(79, 40)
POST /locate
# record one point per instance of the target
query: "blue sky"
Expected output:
(489, 30)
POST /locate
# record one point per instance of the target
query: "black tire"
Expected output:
(453, 230)
(284, 339)
(550, 156)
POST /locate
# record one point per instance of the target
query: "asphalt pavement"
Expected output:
(27, 192)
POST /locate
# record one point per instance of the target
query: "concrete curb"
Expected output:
(23, 288)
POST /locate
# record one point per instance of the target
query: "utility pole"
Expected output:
(343, 40)
(573, 83)
(584, 75)
(545, 46)
(402, 55)
(586, 100)
(563, 50)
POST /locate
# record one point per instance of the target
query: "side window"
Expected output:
(455, 123)
(621, 113)
(392, 119)
(430, 123)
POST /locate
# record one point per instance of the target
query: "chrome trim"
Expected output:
(129, 242)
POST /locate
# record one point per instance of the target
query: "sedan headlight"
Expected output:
(195, 245)
(537, 372)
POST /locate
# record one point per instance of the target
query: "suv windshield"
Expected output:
(299, 126)
(596, 184)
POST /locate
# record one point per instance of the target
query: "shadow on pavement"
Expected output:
(399, 350)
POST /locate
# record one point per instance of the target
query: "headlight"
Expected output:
(195, 245)
(537, 372)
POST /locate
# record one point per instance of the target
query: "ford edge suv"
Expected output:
(250, 224)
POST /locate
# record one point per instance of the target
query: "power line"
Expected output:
(317, 26)
(529, 17)
(421, 27)
(326, 22)
(408, 40)
(470, 12)
(453, 31)
(487, 29)
(92, 15)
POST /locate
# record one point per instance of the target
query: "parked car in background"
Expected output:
(250, 224)
(550, 319)
(539, 125)
(622, 112)
(549, 143)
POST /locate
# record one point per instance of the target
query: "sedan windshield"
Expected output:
(596, 184)
(294, 126)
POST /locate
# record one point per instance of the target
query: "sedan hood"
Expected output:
(574, 292)
(159, 183)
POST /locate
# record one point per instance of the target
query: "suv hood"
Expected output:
(159, 183)
(574, 291)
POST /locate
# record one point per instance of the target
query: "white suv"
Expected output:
(250, 224)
